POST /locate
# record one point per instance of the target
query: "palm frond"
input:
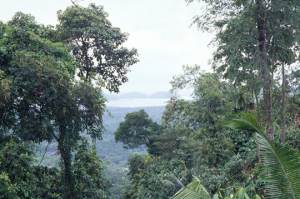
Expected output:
(194, 190)
(186, 193)
(281, 162)
(242, 121)
(283, 169)
(196, 185)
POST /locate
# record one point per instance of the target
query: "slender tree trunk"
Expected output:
(283, 106)
(258, 111)
(66, 160)
(271, 97)
(261, 26)
(271, 87)
(255, 112)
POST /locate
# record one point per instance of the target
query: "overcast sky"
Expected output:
(159, 29)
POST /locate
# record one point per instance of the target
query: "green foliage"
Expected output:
(49, 183)
(201, 117)
(193, 141)
(4, 88)
(88, 173)
(253, 38)
(41, 100)
(240, 103)
(96, 45)
(137, 129)
(281, 162)
(195, 190)
(16, 158)
(154, 177)
(242, 121)
(19, 178)
(7, 190)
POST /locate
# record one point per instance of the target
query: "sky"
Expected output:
(160, 30)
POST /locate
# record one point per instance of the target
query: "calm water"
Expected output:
(140, 102)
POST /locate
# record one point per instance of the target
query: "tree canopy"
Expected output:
(96, 45)
(42, 100)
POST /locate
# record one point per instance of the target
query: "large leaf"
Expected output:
(240, 102)
(242, 121)
(281, 162)
(186, 193)
(194, 190)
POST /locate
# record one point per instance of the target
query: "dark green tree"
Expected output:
(137, 130)
(88, 171)
(17, 179)
(252, 37)
(96, 45)
(54, 106)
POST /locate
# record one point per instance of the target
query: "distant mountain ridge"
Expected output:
(161, 95)
(111, 97)
(133, 95)
(138, 95)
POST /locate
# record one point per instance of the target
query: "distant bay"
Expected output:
(132, 103)
(140, 102)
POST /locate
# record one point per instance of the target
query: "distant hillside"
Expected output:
(110, 97)
(162, 95)
(107, 147)
(133, 95)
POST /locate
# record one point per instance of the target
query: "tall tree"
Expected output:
(137, 130)
(245, 32)
(53, 106)
(96, 45)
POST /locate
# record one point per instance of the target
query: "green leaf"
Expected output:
(281, 162)
(240, 103)
(242, 121)
(185, 193)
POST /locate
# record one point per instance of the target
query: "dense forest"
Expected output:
(237, 138)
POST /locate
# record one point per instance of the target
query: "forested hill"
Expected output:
(107, 148)
(114, 152)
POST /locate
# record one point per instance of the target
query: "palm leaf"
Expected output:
(194, 190)
(242, 121)
(186, 193)
(281, 162)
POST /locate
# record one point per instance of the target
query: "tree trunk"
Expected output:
(258, 116)
(255, 112)
(258, 111)
(261, 26)
(283, 106)
(271, 97)
(66, 160)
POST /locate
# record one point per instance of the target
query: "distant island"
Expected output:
(133, 95)
(138, 95)
(161, 95)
